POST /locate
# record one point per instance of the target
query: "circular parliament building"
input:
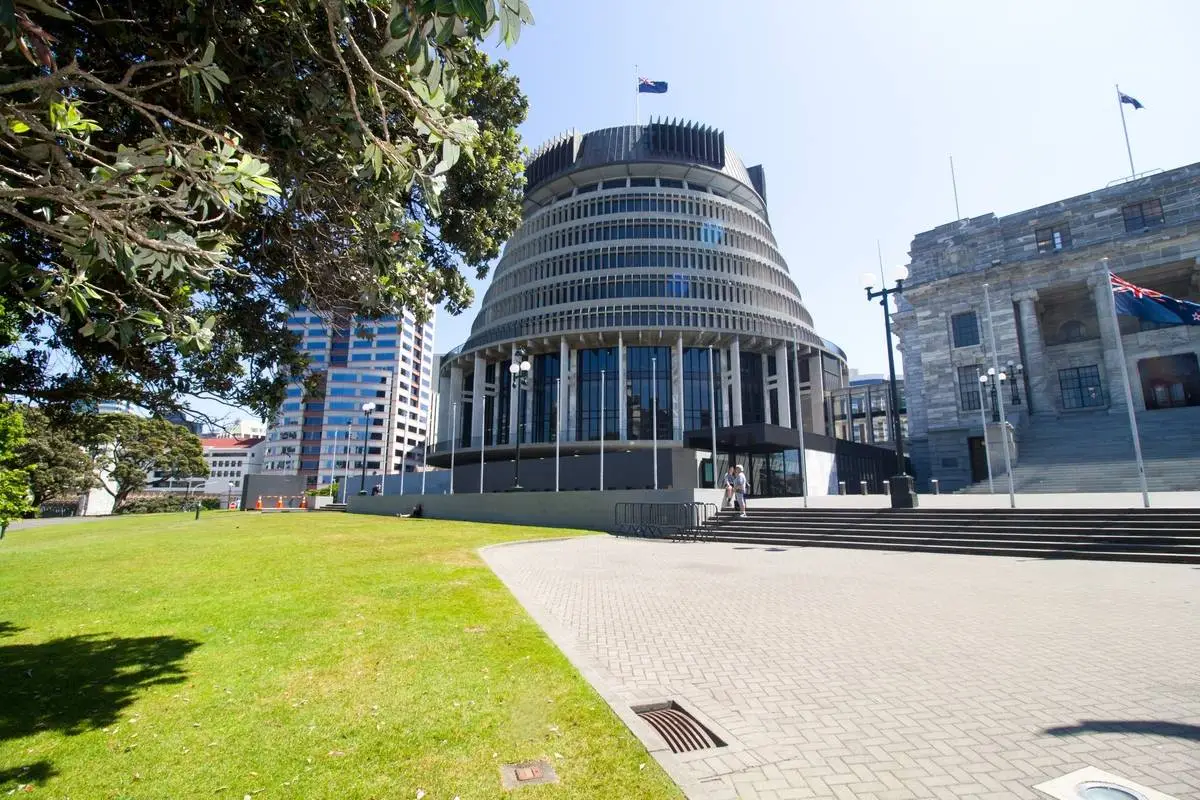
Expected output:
(643, 290)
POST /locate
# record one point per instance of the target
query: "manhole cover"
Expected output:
(1105, 791)
(682, 732)
(527, 773)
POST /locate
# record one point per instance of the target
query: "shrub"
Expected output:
(158, 504)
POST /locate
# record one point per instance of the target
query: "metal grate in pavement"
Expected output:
(682, 732)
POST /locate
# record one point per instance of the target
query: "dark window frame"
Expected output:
(1074, 383)
(970, 390)
(1053, 238)
(1145, 214)
(959, 333)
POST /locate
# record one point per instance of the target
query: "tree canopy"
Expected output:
(128, 448)
(175, 176)
(54, 457)
(14, 480)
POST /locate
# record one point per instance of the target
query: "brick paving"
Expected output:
(882, 676)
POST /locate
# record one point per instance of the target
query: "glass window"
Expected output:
(1081, 387)
(965, 329)
(969, 387)
(647, 384)
(1053, 238)
(1139, 216)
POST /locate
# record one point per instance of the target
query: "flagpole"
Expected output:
(1128, 149)
(1133, 427)
(637, 97)
(800, 412)
(558, 425)
(602, 426)
(1012, 492)
(712, 410)
(954, 183)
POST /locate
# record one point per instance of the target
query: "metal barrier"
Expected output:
(685, 521)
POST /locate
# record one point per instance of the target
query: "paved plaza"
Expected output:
(882, 676)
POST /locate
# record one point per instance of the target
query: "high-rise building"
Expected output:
(386, 364)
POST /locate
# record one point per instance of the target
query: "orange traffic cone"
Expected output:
(258, 504)
(279, 501)
(303, 501)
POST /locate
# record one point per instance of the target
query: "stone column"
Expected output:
(572, 395)
(564, 389)
(529, 406)
(735, 367)
(445, 398)
(1038, 399)
(478, 399)
(1113, 368)
(725, 381)
(622, 403)
(677, 390)
(782, 364)
(816, 393)
(456, 396)
(766, 388)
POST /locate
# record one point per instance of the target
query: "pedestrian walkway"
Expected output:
(850, 674)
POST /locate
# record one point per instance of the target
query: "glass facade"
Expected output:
(753, 411)
(591, 363)
(545, 398)
(697, 380)
(647, 374)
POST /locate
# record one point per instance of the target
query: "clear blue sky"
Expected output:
(855, 107)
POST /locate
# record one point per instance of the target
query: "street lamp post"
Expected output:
(367, 408)
(519, 369)
(1015, 372)
(993, 381)
(901, 484)
(987, 452)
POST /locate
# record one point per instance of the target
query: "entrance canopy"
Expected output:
(756, 439)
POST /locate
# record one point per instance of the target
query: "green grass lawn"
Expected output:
(288, 656)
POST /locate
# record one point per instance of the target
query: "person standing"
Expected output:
(728, 481)
(740, 487)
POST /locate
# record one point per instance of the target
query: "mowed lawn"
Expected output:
(287, 656)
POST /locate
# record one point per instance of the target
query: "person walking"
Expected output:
(740, 487)
(728, 483)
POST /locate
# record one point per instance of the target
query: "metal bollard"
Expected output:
(887, 487)
(936, 490)
(841, 487)
(862, 487)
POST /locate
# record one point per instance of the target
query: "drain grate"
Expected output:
(682, 732)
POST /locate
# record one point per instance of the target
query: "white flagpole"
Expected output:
(1012, 492)
(602, 430)
(654, 414)
(954, 183)
(1133, 427)
(558, 424)
(712, 410)
(403, 466)
(425, 455)
(987, 453)
(637, 97)
(482, 450)
(1128, 149)
(800, 412)
(453, 434)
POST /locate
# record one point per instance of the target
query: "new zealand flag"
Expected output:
(647, 86)
(1152, 306)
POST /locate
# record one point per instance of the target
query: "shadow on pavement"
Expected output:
(1151, 727)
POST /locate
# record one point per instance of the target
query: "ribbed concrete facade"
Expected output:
(641, 248)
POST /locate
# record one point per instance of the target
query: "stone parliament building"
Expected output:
(1046, 275)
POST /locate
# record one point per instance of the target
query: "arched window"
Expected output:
(1072, 331)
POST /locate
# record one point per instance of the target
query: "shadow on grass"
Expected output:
(1151, 727)
(28, 775)
(78, 683)
(8, 629)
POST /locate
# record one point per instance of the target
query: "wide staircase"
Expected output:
(1168, 535)
(1093, 452)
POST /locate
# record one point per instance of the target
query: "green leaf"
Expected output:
(148, 318)
(209, 52)
(16, 126)
(474, 10)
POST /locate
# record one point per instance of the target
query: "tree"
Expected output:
(56, 461)
(175, 176)
(130, 447)
(14, 481)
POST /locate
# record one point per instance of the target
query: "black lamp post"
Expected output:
(993, 381)
(1015, 372)
(367, 408)
(519, 370)
(900, 485)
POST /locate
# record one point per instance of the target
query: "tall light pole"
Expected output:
(712, 410)
(987, 451)
(900, 485)
(999, 376)
(367, 408)
(519, 370)
(602, 427)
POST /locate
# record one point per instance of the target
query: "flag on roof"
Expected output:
(647, 86)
